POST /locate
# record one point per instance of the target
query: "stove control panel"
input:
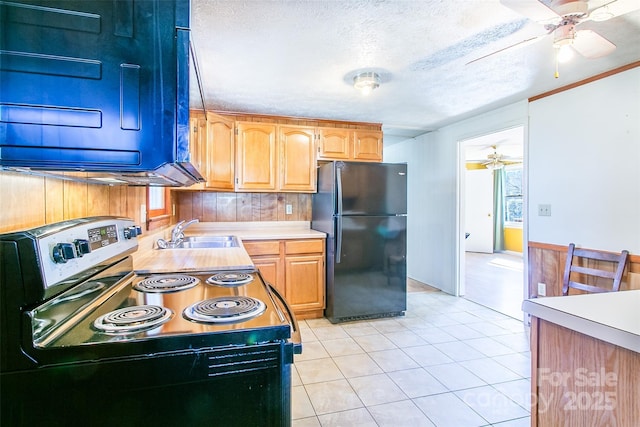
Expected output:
(85, 244)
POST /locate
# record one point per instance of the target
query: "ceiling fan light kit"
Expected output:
(366, 82)
(562, 17)
(494, 165)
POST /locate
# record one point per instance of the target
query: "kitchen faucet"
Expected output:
(177, 233)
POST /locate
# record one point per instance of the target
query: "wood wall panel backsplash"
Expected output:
(546, 265)
(238, 207)
(31, 201)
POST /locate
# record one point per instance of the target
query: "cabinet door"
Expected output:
(198, 144)
(221, 155)
(93, 84)
(271, 270)
(367, 146)
(266, 256)
(257, 160)
(297, 158)
(304, 282)
(334, 144)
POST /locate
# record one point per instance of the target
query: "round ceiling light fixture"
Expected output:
(366, 82)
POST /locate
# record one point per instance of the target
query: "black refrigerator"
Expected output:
(363, 209)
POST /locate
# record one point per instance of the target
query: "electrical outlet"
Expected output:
(544, 210)
(288, 209)
(542, 289)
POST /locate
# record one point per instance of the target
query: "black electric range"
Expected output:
(199, 347)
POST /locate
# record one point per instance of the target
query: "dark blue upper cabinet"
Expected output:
(94, 85)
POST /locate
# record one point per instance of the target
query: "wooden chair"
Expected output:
(589, 273)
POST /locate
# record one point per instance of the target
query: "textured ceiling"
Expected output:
(298, 58)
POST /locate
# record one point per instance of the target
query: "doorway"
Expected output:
(491, 220)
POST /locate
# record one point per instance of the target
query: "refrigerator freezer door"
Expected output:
(373, 188)
(370, 279)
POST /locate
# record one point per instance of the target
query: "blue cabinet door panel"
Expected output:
(90, 85)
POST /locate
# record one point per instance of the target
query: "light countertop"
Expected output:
(149, 259)
(268, 230)
(613, 317)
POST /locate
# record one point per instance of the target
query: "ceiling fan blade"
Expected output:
(532, 9)
(591, 44)
(614, 8)
(519, 44)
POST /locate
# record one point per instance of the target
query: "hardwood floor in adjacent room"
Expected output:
(495, 281)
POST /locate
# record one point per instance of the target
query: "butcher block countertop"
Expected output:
(150, 259)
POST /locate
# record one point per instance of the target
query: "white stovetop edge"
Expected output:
(613, 317)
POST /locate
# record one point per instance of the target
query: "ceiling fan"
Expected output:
(560, 18)
(496, 160)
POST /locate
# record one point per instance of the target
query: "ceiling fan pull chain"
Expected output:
(557, 73)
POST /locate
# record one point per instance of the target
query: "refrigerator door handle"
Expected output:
(339, 187)
(338, 167)
(338, 238)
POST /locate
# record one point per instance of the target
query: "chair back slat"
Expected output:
(584, 270)
(593, 272)
(598, 255)
(587, 288)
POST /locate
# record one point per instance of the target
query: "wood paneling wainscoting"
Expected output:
(210, 206)
(583, 381)
(547, 262)
(31, 201)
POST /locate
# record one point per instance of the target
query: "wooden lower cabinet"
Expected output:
(296, 269)
(578, 380)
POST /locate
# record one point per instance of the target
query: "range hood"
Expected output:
(96, 91)
(170, 175)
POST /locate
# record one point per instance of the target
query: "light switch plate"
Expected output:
(544, 210)
(288, 209)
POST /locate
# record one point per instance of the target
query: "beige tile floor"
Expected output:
(448, 362)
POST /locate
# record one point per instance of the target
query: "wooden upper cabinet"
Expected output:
(367, 145)
(263, 156)
(221, 153)
(297, 158)
(198, 141)
(334, 144)
(256, 159)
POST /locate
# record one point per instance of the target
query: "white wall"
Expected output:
(599, 121)
(434, 240)
(584, 157)
(431, 188)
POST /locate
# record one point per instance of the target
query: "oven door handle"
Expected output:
(296, 339)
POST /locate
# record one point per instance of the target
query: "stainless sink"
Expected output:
(203, 242)
(193, 242)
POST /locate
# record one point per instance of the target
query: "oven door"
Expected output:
(230, 386)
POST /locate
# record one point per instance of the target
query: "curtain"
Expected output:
(498, 210)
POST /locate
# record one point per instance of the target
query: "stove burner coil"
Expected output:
(133, 319)
(230, 280)
(163, 283)
(224, 309)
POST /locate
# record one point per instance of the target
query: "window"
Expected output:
(158, 207)
(513, 194)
